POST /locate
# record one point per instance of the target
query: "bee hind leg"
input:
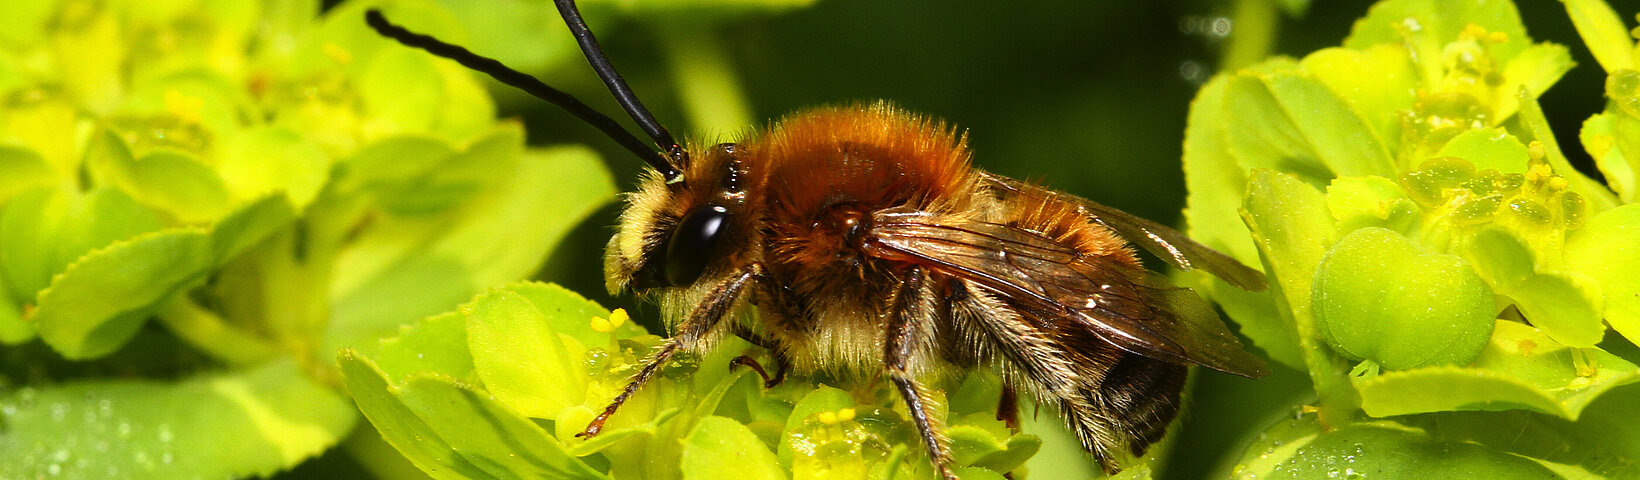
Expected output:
(700, 323)
(910, 325)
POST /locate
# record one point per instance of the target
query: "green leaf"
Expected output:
(273, 159)
(1534, 70)
(22, 169)
(47, 125)
(1019, 449)
(1216, 182)
(723, 448)
(523, 360)
(1213, 177)
(1426, 25)
(1603, 32)
(436, 344)
(403, 172)
(93, 39)
(1293, 230)
(399, 425)
(45, 229)
(1607, 249)
(100, 300)
(179, 184)
(220, 425)
(487, 434)
(1370, 451)
(1566, 305)
(249, 224)
(13, 329)
(1602, 443)
(388, 278)
(1521, 368)
(1378, 297)
(1289, 120)
(975, 473)
(195, 96)
(1372, 201)
(1500, 257)
(1492, 149)
(571, 314)
(401, 90)
(970, 443)
(1275, 445)
(1376, 83)
(822, 399)
(1613, 140)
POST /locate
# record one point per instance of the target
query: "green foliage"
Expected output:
(1434, 255)
(270, 187)
(523, 368)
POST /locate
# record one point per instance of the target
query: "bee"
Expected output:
(859, 240)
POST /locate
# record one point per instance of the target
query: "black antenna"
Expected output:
(617, 85)
(662, 164)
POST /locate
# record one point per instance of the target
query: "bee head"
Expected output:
(671, 235)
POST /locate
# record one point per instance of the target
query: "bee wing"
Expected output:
(1132, 308)
(1171, 246)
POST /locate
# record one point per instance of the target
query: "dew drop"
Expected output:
(165, 433)
(1221, 27)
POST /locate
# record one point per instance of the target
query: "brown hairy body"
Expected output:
(859, 241)
(831, 223)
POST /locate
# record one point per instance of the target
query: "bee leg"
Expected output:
(910, 324)
(1008, 408)
(775, 352)
(768, 382)
(689, 333)
(747, 361)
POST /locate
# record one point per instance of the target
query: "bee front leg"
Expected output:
(700, 323)
(911, 324)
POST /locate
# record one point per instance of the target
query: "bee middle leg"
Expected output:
(910, 325)
(700, 323)
(778, 354)
(780, 366)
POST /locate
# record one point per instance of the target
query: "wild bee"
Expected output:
(859, 240)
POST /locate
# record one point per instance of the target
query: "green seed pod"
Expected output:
(1377, 297)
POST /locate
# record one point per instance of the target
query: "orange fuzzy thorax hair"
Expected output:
(875, 155)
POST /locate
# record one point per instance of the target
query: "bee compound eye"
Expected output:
(693, 242)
